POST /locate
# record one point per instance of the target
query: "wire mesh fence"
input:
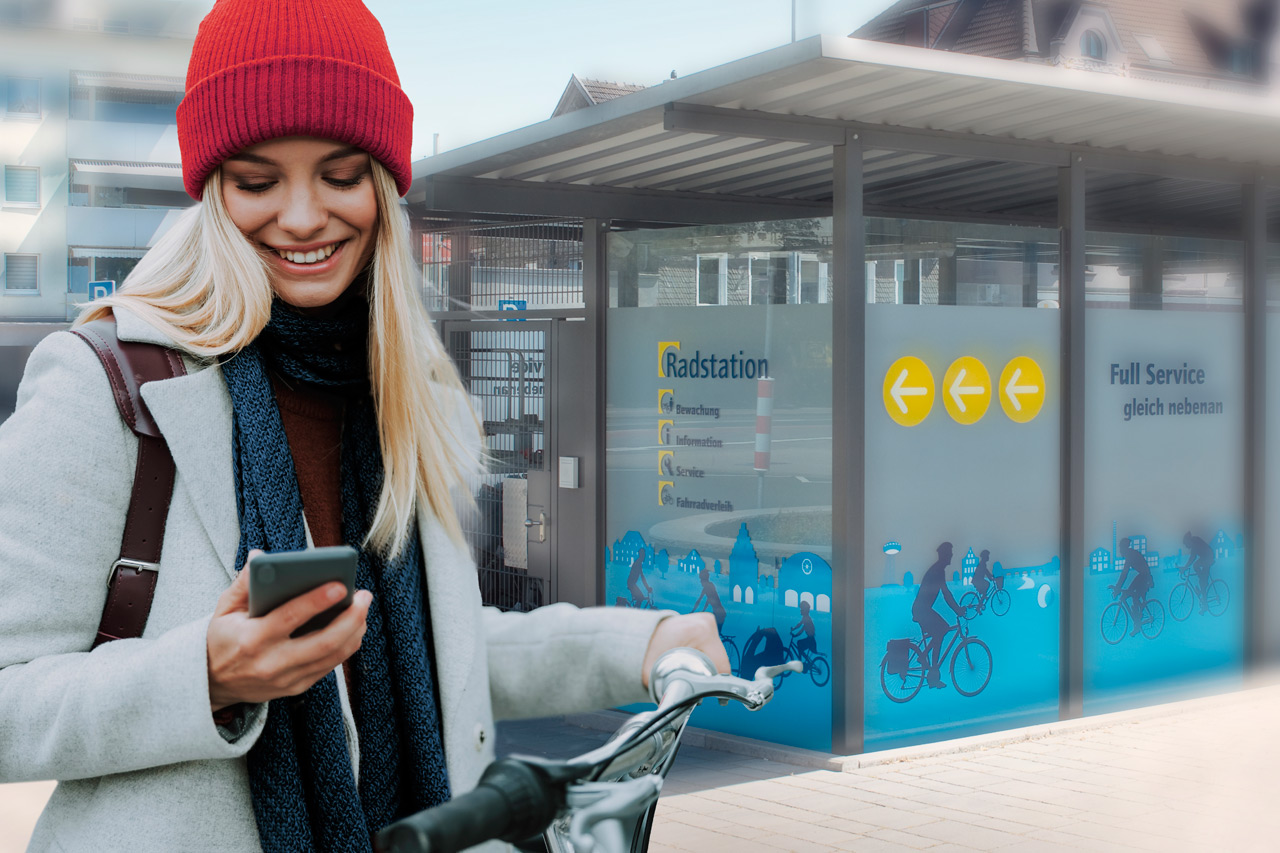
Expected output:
(495, 266)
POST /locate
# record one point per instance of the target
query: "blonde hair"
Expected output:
(205, 286)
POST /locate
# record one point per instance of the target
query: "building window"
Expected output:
(713, 279)
(24, 97)
(767, 274)
(813, 280)
(22, 186)
(21, 273)
(1093, 45)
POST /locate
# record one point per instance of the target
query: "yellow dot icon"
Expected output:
(1022, 389)
(966, 390)
(908, 391)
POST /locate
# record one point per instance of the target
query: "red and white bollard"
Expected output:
(764, 422)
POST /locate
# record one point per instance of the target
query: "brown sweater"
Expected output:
(313, 425)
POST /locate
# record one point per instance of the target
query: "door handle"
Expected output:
(541, 524)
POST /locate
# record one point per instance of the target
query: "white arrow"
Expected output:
(958, 391)
(899, 390)
(1013, 389)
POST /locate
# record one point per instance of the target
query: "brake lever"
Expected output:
(596, 803)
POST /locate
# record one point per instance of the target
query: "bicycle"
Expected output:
(971, 665)
(973, 603)
(815, 665)
(602, 801)
(645, 603)
(1116, 617)
(1183, 596)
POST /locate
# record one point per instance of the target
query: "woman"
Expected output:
(319, 408)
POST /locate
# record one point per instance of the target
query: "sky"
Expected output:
(477, 68)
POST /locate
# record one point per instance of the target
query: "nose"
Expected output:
(303, 214)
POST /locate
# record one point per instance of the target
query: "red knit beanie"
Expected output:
(262, 69)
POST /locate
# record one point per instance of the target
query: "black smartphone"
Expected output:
(280, 576)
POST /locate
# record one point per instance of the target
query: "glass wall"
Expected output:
(1164, 427)
(963, 494)
(719, 449)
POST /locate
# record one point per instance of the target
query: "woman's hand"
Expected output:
(689, 630)
(255, 660)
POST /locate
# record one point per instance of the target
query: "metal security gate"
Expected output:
(500, 293)
(505, 370)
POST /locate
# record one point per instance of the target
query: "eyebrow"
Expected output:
(336, 154)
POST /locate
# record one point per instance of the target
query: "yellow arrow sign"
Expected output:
(1022, 389)
(908, 391)
(966, 390)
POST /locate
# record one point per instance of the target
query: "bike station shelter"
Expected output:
(873, 345)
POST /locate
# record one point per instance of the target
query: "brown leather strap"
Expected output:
(132, 581)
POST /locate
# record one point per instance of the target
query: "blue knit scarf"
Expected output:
(305, 796)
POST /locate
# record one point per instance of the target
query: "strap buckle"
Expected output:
(136, 565)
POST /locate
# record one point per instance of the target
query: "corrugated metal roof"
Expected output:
(833, 83)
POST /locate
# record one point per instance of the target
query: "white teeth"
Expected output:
(311, 257)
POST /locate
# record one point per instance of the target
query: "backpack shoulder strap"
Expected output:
(131, 583)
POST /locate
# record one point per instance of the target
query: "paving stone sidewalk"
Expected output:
(1197, 776)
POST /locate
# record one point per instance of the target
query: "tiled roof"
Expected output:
(996, 30)
(1017, 29)
(601, 91)
(888, 26)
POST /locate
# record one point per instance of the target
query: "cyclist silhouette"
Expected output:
(1201, 559)
(982, 575)
(1136, 593)
(809, 643)
(635, 579)
(712, 598)
(932, 625)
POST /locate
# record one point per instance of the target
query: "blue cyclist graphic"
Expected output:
(1200, 558)
(932, 625)
(634, 582)
(1135, 594)
(711, 598)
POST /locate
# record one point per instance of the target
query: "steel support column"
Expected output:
(1258, 642)
(1071, 280)
(848, 424)
(595, 295)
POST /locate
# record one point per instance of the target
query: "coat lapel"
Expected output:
(194, 414)
(454, 602)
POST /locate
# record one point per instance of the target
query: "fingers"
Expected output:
(309, 658)
(339, 635)
(295, 613)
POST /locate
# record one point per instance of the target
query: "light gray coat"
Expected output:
(127, 728)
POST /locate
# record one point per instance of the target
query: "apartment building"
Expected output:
(89, 149)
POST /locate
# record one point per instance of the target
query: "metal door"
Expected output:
(504, 364)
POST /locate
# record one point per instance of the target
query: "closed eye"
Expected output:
(346, 183)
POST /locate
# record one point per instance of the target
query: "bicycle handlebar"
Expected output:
(512, 802)
(518, 797)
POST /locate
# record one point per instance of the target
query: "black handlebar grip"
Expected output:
(512, 802)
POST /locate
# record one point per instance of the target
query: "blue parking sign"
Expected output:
(99, 289)
(513, 305)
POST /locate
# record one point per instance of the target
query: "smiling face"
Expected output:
(309, 205)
